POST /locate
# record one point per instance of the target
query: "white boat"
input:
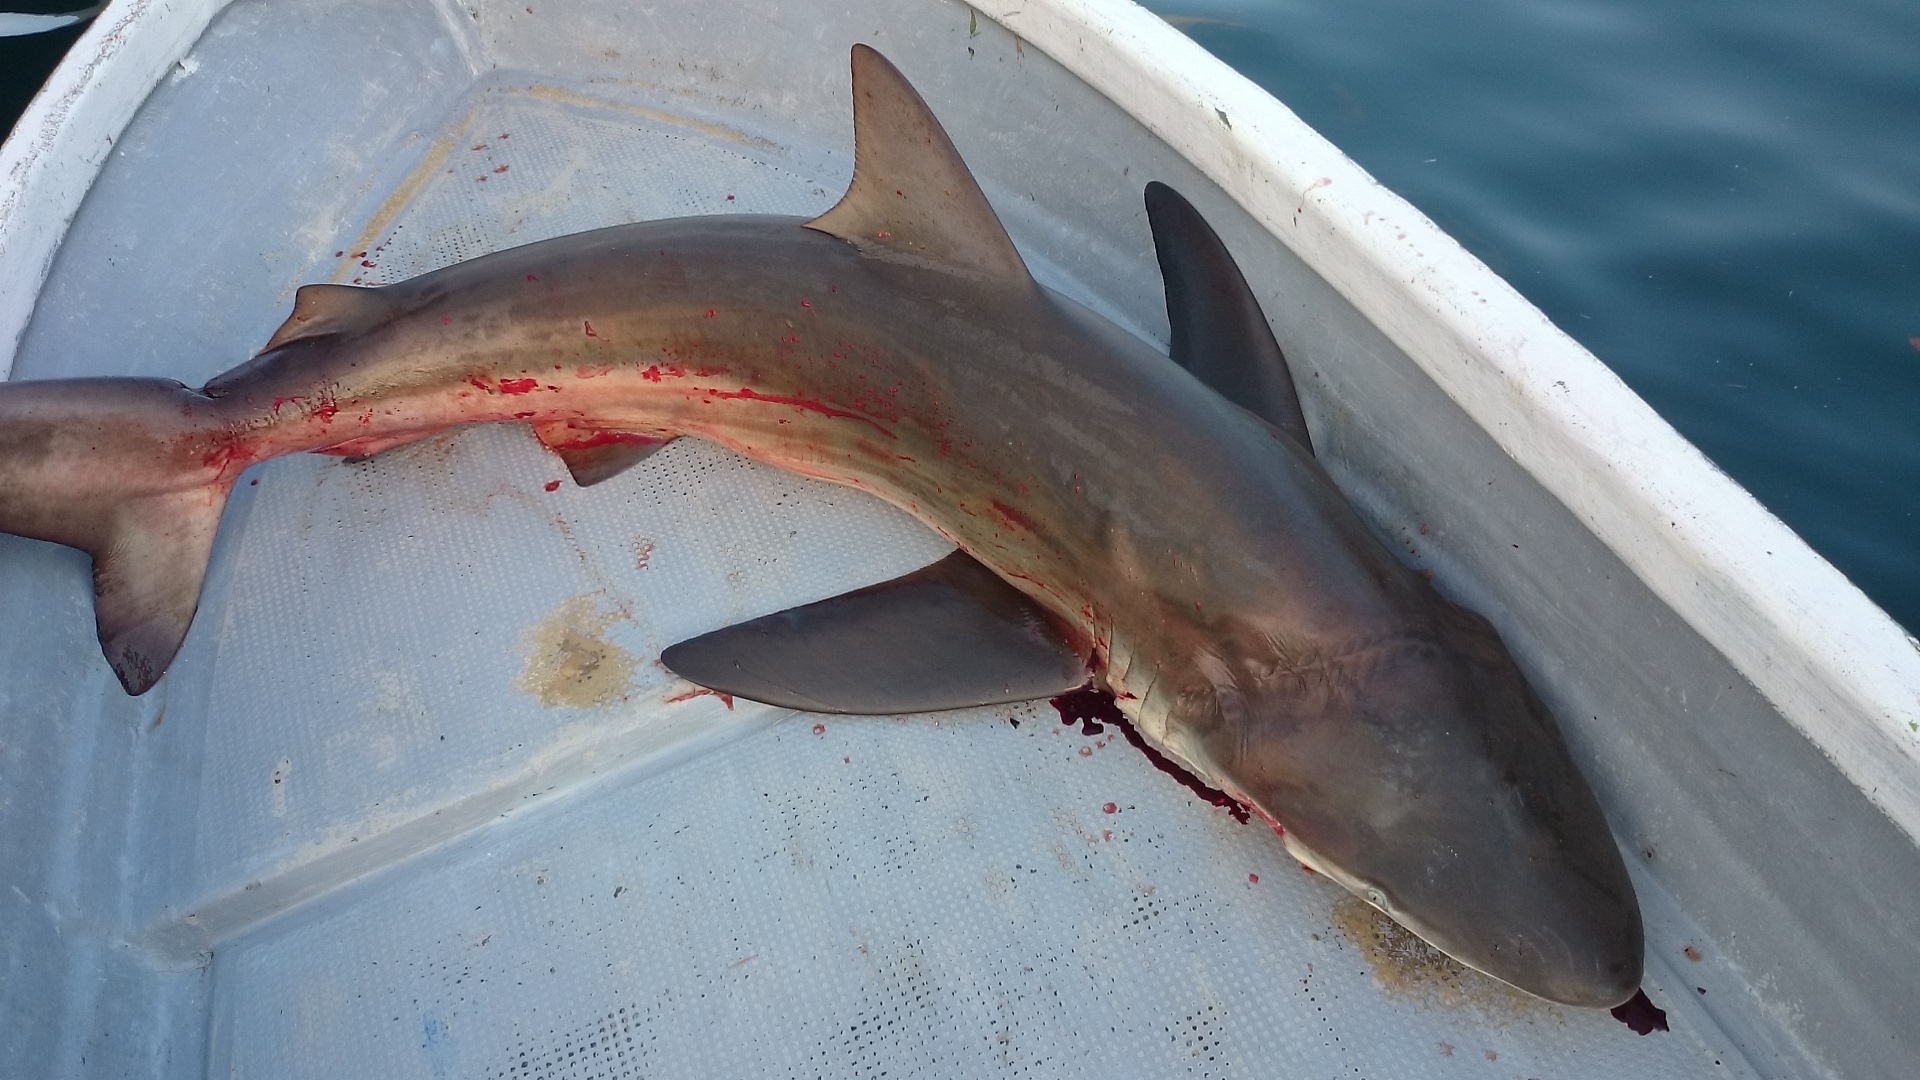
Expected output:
(416, 800)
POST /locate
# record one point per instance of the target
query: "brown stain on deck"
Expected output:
(1409, 969)
(570, 662)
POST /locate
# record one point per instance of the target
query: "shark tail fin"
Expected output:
(912, 199)
(93, 464)
(148, 565)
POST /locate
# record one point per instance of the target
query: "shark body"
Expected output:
(1105, 503)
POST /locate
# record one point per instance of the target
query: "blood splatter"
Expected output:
(1643, 1016)
(519, 386)
(725, 699)
(1091, 707)
(819, 729)
(810, 404)
(553, 485)
(1253, 879)
(1110, 808)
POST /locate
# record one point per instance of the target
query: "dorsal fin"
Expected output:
(319, 310)
(912, 198)
(1219, 333)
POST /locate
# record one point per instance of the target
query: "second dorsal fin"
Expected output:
(912, 197)
(1219, 333)
(319, 310)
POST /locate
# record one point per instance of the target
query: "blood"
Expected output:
(553, 485)
(519, 386)
(1014, 517)
(1643, 1016)
(1253, 878)
(1091, 707)
(589, 327)
(725, 699)
(749, 394)
(580, 440)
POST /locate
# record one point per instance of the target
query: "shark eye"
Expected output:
(1377, 898)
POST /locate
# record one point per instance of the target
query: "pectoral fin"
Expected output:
(949, 636)
(147, 570)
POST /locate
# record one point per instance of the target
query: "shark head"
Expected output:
(1420, 772)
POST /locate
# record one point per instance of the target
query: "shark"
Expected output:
(1156, 525)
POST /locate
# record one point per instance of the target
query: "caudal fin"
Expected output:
(147, 570)
(115, 468)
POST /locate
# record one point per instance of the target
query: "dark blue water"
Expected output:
(1721, 199)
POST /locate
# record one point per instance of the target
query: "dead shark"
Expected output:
(1166, 519)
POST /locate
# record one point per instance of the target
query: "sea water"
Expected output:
(1721, 199)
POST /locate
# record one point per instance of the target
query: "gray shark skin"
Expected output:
(1240, 611)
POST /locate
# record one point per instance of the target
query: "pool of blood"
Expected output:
(1091, 708)
(1640, 1014)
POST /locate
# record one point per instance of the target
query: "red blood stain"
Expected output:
(519, 386)
(478, 146)
(338, 254)
(1110, 808)
(368, 263)
(819, 729)
(553, 485)
(729, 198)
(530, 277)
(501, 169)
(444, 321)
(481, 179)
(1643, 1016)
(589, 327)
(711, 313)
(326, 410)
(1090, 707)
(655, 372)
(725, 699)
(580, 440)
(1254, 878)
(881, 235)
(747, 393)
(808, 304)
(1012, 516)
(479, 382)
(359, 255)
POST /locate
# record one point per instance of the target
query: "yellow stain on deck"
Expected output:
(570, 662)
(1409, 969)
